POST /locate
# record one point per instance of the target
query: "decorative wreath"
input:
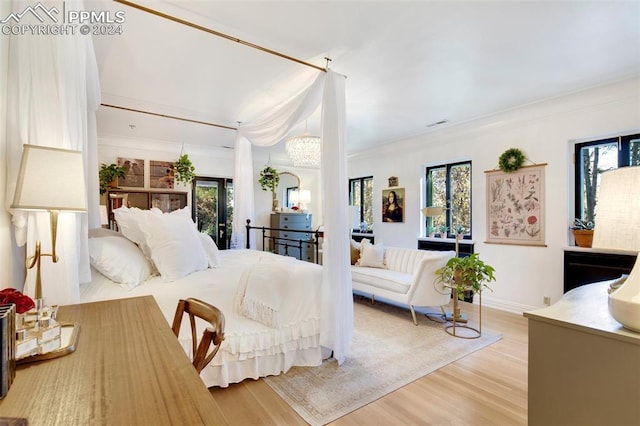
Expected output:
(511, 160)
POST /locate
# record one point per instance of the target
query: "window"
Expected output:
(361, 196)
(449, 185)
(591, 160)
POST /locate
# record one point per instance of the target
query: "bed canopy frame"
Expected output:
(327, 90)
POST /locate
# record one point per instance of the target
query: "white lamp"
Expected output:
(618, 227)
(50, 179)
(304, 197)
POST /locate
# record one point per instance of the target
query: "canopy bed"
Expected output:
(75, 128)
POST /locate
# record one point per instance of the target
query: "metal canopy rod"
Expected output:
(217, 33)
(171, 116)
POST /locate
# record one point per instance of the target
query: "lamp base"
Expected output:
(624, 302)
(450, 317)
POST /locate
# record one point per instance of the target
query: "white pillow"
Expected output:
(371, 255)
(103, 232)
(174, 243)
(119, 259)
(211, 249)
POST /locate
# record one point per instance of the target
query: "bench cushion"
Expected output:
(382, 278)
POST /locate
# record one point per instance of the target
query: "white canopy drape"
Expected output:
(53, 94)
(328, 89)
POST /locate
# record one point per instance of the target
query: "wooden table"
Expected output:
(128, 368)
(584, 367)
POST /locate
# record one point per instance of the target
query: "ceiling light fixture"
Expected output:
(304, 150)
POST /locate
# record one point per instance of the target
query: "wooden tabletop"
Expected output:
(128, 368)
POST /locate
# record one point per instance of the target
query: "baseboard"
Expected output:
(503, 305)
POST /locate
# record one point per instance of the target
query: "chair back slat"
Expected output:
(213, 335)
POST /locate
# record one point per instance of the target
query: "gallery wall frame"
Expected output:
(134, 177)
(161, 174)
(516, 206)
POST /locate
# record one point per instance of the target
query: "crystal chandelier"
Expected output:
(304, 150)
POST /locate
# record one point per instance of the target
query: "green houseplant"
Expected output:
(184, 170)
(466, 273)
(269, 179)
(582, 232)
(108, 174)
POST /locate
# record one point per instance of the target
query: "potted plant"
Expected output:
(184, 170)
(108, 175)
(443, 230)
(467, 275)
(582, 232)
(269, 179)
(431, 231)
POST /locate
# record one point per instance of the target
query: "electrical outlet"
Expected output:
(546, 300)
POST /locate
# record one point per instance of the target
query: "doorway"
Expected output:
(213, 208)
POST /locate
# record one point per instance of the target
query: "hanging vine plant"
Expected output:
(184, 170)
(511, 160)
(269, 179)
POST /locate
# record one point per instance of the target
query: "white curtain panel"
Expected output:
(328, 88)
(53, 94)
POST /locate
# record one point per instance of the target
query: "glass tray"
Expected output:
(68, 339)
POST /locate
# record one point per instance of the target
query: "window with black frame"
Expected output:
(449, 186)
(594, 158)
(361, 200)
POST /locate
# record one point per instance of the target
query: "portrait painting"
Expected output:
(393, 205)
(134, 173)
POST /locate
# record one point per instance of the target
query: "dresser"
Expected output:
(584, 367)
(128, 368)
(286, 238)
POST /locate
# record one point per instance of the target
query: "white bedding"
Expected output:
(250, 349)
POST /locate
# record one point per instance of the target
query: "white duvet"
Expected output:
(251, 348)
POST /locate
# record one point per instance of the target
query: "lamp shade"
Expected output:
(432, 211)
(617, 226)
(50, 179)
(304, 196)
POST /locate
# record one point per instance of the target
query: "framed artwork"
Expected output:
(161, 174)
(515, 206)
(135, 173)
(393, 205)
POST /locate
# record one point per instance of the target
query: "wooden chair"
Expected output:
(211, 335)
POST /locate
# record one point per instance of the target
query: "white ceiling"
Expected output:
(408, 64)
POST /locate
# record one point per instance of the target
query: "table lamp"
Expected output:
(50, 179)
(617, 226)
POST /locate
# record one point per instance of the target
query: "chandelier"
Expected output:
(304, 150)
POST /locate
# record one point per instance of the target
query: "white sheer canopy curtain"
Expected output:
(53, 94)
(328, 89)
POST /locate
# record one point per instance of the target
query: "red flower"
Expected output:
(532, 220)
(22, 301)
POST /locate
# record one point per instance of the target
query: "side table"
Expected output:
(460, 327)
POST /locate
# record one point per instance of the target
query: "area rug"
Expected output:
(387, 352)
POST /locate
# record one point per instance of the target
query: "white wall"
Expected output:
(545, 132)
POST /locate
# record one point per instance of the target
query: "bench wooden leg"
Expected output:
(373, 299)
(413, 314)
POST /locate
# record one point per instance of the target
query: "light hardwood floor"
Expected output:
(487, 387)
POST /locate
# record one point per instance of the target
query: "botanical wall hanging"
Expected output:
(515, 206)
